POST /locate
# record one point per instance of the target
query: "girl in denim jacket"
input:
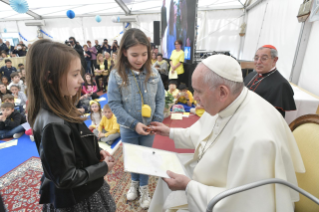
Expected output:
(136, 96)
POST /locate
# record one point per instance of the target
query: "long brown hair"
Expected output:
(131, 38)
(50, 61)
(98, 60)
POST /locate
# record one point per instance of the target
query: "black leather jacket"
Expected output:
(70, 157)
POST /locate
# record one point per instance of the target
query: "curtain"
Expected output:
(310, 72)
(218, 30)
(274, 22)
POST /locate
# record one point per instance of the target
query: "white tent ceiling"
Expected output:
(83, 8)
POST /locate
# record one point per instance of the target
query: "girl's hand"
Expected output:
(104, 154)
(142, 129)
(109, 160)
(91, 128)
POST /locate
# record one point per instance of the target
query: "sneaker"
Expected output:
(18, 135)
(132, 193)
(145, 199)
(31, 137)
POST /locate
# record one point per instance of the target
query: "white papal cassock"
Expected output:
(246, 142)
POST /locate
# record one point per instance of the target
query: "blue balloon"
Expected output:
(98, 18)
(20, 6)
(70, 14)
(5, 30)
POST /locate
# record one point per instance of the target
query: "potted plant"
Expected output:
(169, 101)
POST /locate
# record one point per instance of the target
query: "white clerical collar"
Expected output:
(230, 109)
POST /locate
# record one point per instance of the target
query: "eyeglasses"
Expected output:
(263, 59)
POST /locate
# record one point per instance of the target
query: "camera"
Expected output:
(67, 43)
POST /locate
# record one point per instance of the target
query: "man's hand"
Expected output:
(160, 128)
(142, 129)
(176, 181)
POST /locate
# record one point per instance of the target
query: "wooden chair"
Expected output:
(306, 132)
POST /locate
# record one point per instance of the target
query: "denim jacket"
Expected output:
(125, 101)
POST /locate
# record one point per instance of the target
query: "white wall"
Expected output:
(274, 22)
(219, 30)
(309, 76)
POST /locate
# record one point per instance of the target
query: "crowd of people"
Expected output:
(7, 50)
(54, 97)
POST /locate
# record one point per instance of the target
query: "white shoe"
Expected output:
(132, 193)
(18, 135)
(31, 137)
(145, 199)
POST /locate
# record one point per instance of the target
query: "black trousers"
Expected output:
(93, 63)
(104, 80)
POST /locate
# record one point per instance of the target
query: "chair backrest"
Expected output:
(306, 132)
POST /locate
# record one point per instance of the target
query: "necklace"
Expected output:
(259, 81)
(204, 149)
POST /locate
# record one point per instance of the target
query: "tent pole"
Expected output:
(300, 52)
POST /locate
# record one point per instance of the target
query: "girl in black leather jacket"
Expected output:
(74, 166)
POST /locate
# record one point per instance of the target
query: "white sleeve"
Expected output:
(188, 138)
(249, 162)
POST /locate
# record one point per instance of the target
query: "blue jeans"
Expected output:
(129, 136)
(88, 68)
(9, 133)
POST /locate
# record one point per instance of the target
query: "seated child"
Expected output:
(185, 96)
(109, 129)
(3, 91)
(5, 80)
(10, 122)
(96, 114)
(10, 98)
(19, 97)
(172, 89)
(15, 80)
(89, 87)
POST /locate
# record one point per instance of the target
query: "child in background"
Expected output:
(10, 98)
(96, 114)
(185, 96)
(10, 122)
(4, 80)
(3, 91)
(172, 89)
(137, 98)
(23, 72)
(20, 67)
(109, 129)
(15, 80)
(89, 88)
(19, 97)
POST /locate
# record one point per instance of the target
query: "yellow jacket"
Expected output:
(109, 125)
(183, 100)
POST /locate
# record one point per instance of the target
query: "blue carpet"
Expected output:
(13, 156)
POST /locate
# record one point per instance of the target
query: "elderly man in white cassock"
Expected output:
(240, 139)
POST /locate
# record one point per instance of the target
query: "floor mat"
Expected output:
(120, 184)
(19, 188)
